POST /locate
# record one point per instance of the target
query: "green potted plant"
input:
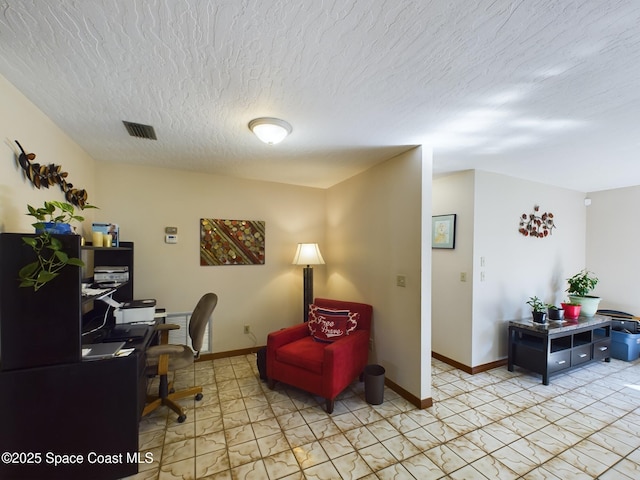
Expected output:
(580, 285)
(555, 313)
(538, 309)
(52, 218)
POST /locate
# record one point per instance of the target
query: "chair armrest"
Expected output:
(349, 350)
(164, 329)
(167, 326)
(287, 335)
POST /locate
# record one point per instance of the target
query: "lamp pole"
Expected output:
(308, 291)
(307, 254)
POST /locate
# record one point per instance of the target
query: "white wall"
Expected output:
(518, 267)
(374, 234)
(470, 319)
(145, 200)
(613, 230)
(21, 120)
(452, 298)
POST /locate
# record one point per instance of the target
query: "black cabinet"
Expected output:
(55, 403)
(43, 327)
(116, 256)
(82, 415)
(556, 347)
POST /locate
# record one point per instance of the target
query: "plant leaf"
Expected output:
(60, 255)
(45, 276)
(28, 270)
(30, 240)
(55, 244)
(75, 261)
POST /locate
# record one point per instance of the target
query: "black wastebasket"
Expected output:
(374, 384)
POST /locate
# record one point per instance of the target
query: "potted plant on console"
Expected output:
(580, 285)
(41, 299)
(571, 310)
(555, 313)
(53, 218)
(538, 310)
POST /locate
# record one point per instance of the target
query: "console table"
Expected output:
(557, 347)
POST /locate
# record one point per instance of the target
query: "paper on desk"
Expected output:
(123, 352)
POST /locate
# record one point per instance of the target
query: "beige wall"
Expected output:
(21, 120)
(518, 267)
(144, 200)
(374, 234)
(379, 236)
(515, 267)
(613, 230)
(452, 298)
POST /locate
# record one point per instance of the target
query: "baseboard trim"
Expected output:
(470, 370)
(230, 353)
(408, 396)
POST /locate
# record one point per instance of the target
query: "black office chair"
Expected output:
(165, 358)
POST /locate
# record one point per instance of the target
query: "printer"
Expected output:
(111, 274)
(136, 311)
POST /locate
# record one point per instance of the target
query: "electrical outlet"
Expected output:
(247, 329)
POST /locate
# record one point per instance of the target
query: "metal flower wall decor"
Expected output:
(535, 224)
(44, 176)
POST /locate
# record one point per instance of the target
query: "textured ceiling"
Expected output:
(535, 89)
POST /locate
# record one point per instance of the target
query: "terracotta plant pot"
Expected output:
(571, 312)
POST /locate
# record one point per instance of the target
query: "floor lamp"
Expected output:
(308, 254)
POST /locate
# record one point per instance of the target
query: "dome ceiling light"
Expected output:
(270, 130)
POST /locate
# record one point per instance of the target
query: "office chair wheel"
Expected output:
(182, 418)
(199, 396)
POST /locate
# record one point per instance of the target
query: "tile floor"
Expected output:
(494, 425)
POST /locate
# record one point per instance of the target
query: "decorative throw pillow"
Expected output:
(328, 325)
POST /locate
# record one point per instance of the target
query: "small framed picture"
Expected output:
(443, 231)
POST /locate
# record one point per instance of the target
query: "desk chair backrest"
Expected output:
(199, 319)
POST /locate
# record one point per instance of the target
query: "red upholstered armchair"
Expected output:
(296, 358)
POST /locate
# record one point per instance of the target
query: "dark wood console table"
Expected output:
(556, 347)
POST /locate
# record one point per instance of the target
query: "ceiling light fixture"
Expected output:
(270, 130)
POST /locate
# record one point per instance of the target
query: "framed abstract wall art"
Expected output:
(231, 242)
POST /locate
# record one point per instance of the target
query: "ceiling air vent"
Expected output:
(140, 131)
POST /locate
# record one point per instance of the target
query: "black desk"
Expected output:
(86, 412)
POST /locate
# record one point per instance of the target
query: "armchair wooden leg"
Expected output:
(330, 404)
(271, 383)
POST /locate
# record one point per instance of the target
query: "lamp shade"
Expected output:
(270, 130)
(308, 254)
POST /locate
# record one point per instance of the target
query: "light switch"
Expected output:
(401, 281)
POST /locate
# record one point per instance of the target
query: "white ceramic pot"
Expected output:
(589, 304)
